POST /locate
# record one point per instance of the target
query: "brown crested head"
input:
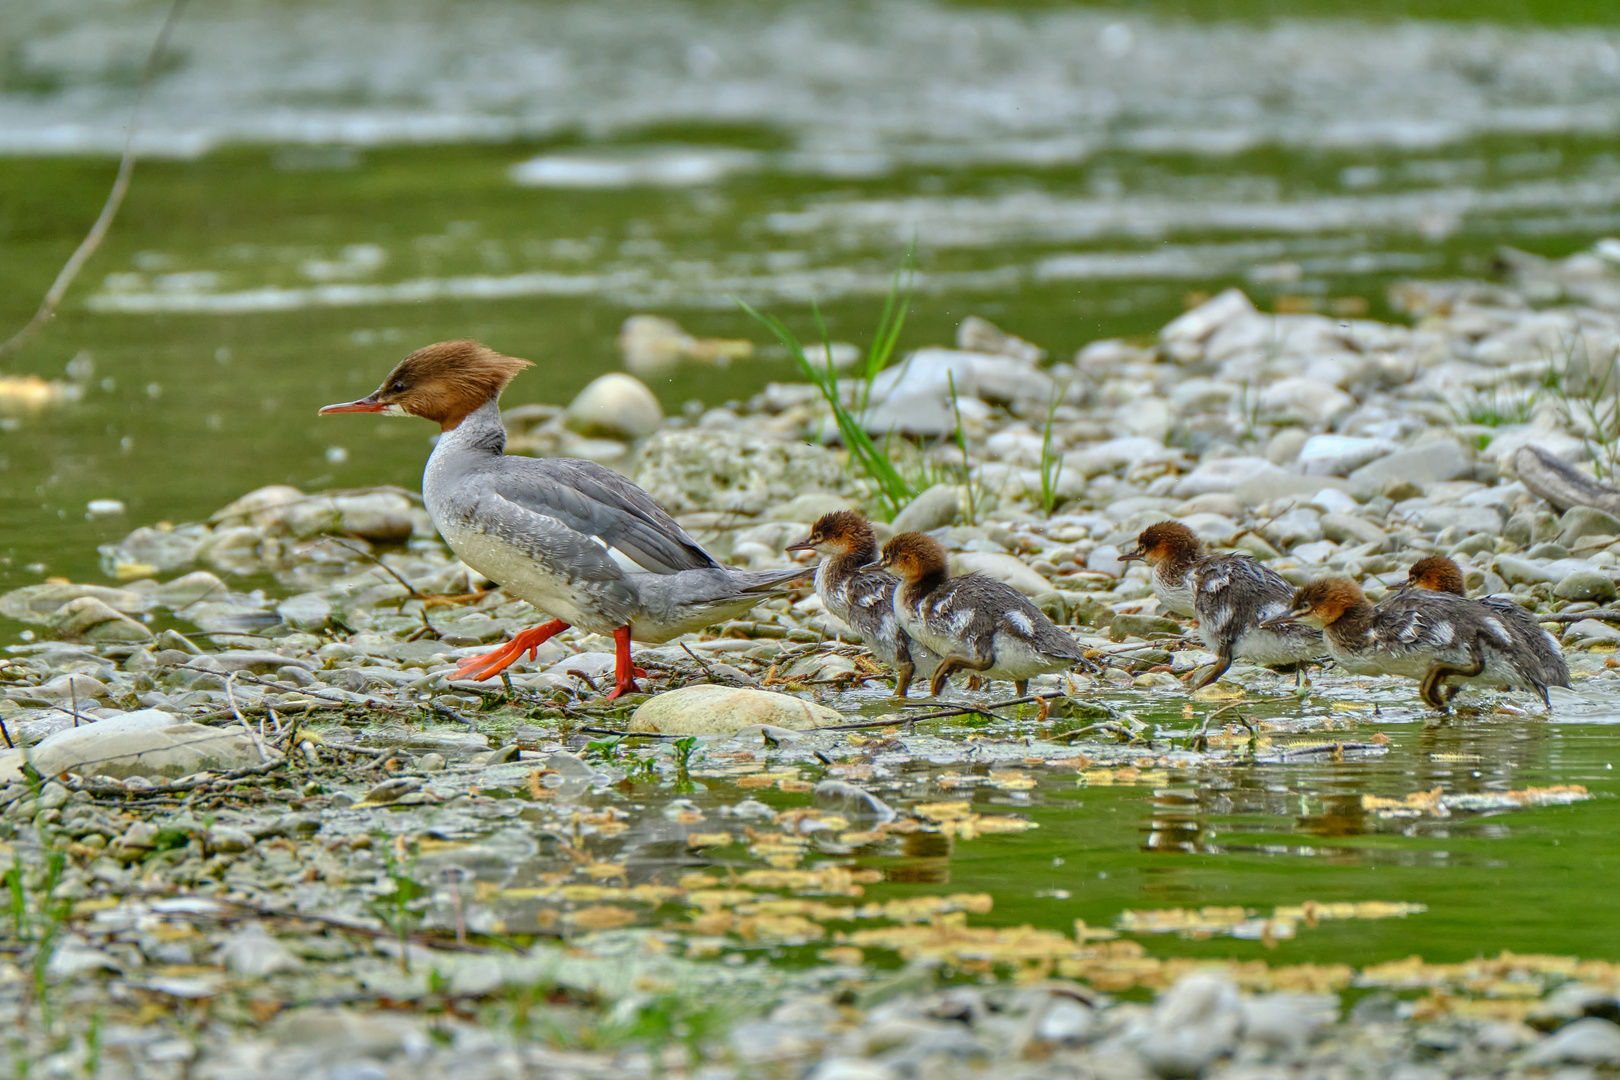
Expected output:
(1165, 541)
(1438, 574)
(840, 533)
(913, 556)
(1323, 603)
(442, 383)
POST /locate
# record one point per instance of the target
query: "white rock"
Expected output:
(1184, 334)
(1340, 455)
(1215, 529)
(1098, 458)
(914, 396)
(723, 710)
(1223, 474)
(1003, 568)
(935, 508)
(1304, 401)
(90, 619)
(189, 589)
(980, 335)
(1146, 417)
(806, 508)
(1333, 501)
(40, 603)
(1589, 1041)
(1196, 1021)
(1301, 525)
(1104, 559)
(149, 743)
(253, 953)
(306, 611)
(1101, 356)
(384, 516)
(617, 406)
(1428, 463)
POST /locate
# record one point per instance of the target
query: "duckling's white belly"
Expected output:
(1270, 649)
(519, 574)
(1017, 659)
(1175, 597)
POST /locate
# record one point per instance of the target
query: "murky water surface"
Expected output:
(325, 195)
(1187, 858)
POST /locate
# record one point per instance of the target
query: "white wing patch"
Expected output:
(961, 621)
(1443, 634)
(1020, 622)
(1494, 625)
(871, 600)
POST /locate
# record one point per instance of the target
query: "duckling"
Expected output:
(1537, 652)
(975, 623)
(863, 598)
(1240, 604)
(1423, 635)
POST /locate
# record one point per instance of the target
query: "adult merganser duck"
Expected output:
(863, 598)
(1537, 652)
(577, 540)
(1423, 635)
(1241, 605)
(973, 622)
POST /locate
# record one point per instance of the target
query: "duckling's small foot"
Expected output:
(490, 664)
(975, 683)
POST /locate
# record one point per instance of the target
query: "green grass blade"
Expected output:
(892, 487)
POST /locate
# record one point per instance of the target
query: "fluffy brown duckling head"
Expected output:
(1323, 603)
(442, 383)
(1165, 541)
(912, 557)
(1438, 574)
(840, 533)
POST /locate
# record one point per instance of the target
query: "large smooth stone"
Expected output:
(1224, 475)
(935, 508)
(1197, 1021)
(725, 710)
(40, 603)
(1579, 522)
(810, 506)
(1339, 455)
(89, 618)
(914, 397)
(149, 743)
(1586, 585)
(1185, 335)
(1589, 1041)
(379, 515)
(1432, 462)
(617, 406)
(1003, 568)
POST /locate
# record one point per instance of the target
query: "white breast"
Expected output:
(524, 578)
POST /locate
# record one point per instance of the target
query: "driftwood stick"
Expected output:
(1561, 484)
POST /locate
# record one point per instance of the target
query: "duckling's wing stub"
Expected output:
(597, 501)
(1234, 593)
(1541, 657)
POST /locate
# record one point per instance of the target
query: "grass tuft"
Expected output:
(892, 489)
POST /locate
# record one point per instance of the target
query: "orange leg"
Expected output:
(625, 671)
(491, 664)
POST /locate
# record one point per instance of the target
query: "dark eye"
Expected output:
(397, 388)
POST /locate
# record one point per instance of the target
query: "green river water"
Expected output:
(213, 323)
